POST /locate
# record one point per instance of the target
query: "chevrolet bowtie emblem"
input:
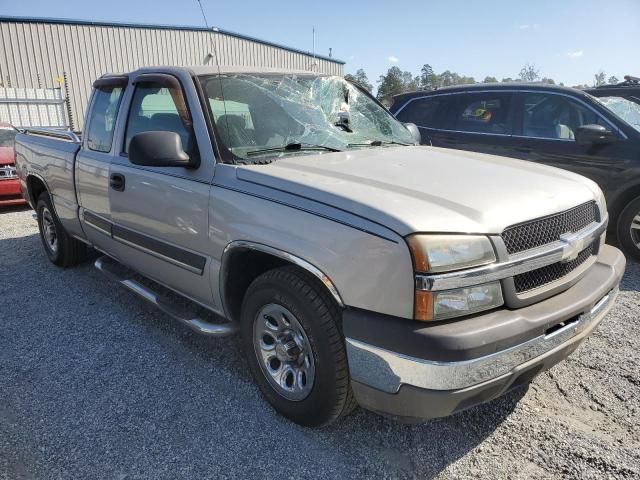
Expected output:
(572, 245)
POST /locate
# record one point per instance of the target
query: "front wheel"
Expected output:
(628, 229)
(292, 339)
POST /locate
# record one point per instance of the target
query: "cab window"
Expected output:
(486, 112)
(545, 115)
(102, 122)
(155, 107)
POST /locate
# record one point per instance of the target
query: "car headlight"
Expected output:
(446, 253)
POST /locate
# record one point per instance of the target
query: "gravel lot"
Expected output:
(94, 383)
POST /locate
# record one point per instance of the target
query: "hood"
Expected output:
(7, 156)
(427, 189)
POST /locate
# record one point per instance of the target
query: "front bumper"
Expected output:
(414, 371)
(10, 193)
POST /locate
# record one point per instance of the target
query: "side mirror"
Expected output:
(159, 149)
(594, 134)
(415, 131)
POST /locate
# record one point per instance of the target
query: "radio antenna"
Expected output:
(215, 53)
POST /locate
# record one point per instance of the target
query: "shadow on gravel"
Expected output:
(14, 208)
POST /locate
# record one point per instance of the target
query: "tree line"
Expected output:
(396, 81)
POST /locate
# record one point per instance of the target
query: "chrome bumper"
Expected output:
(387, 371)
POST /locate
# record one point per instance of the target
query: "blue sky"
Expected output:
(569, 40)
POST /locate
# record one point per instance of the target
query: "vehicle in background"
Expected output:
(622, 98)
(356, 266)
(9, 184)
(557, 126)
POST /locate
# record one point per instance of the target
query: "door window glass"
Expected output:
(483, 113)
(103, 118)
(555, 116)
(424, 112)
(159, 108)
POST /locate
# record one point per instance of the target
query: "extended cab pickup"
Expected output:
(357, 267)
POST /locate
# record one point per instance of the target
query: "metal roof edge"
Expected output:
(68, 21)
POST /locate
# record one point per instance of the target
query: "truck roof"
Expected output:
(198, 70)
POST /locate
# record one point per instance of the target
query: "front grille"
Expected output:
(545, 275)
(7, 171)
(542, 231)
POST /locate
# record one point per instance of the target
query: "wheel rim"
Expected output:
(284, 352)
(49, 232)
(635, 230)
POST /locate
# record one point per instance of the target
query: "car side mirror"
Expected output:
(594, 134)
(159, 149)
(415, 131)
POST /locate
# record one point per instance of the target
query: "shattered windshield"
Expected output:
(275, 115)
(626, 109)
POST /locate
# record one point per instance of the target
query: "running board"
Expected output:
(121, 274)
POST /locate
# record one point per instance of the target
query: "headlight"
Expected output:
(445, 253)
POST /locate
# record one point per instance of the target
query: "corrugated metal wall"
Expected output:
(39, 53)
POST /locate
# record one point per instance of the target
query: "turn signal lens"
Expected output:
(445, 304)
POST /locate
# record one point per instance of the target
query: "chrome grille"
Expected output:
(545, 275)
(8, 171)
(542, 231)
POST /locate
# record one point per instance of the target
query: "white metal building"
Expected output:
(68, 54)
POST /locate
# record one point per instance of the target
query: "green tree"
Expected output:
(360, 78)
(599, 79)
(529, 73)
(613, 80)
(550, 81)
(490, 80)
(394, 82)
(507, 80)
(428, 78)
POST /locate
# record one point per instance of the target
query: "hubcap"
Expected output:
(635, 230)
(284, 352)
(49, 230)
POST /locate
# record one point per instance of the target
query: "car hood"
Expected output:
(7, 156)
(427, 189)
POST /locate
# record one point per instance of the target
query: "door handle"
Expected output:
(116, 181)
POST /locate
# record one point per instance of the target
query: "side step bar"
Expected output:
(121, 274)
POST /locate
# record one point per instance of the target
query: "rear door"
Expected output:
(160, 214)
(94, 158)
(480, 122)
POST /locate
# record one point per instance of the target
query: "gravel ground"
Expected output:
(94, 383)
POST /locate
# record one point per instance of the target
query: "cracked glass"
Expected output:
(266, 116)
(626, 109)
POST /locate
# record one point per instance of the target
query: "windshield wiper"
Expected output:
(292, 147)
(377, 143)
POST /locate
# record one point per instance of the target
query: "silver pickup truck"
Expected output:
(357, 267)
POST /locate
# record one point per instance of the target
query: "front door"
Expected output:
(160, 214)
(546, 126)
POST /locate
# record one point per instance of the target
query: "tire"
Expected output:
(628, 229)
(62, 249)
(316, 363)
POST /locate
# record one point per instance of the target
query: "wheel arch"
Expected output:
(620, 202)
(35, 187)
(243, 261)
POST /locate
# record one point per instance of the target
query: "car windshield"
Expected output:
(7, 136)
(626, 109)
(287, 114)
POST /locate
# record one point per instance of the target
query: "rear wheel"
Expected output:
(291, 337)
(61, 248)
(628, 229)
